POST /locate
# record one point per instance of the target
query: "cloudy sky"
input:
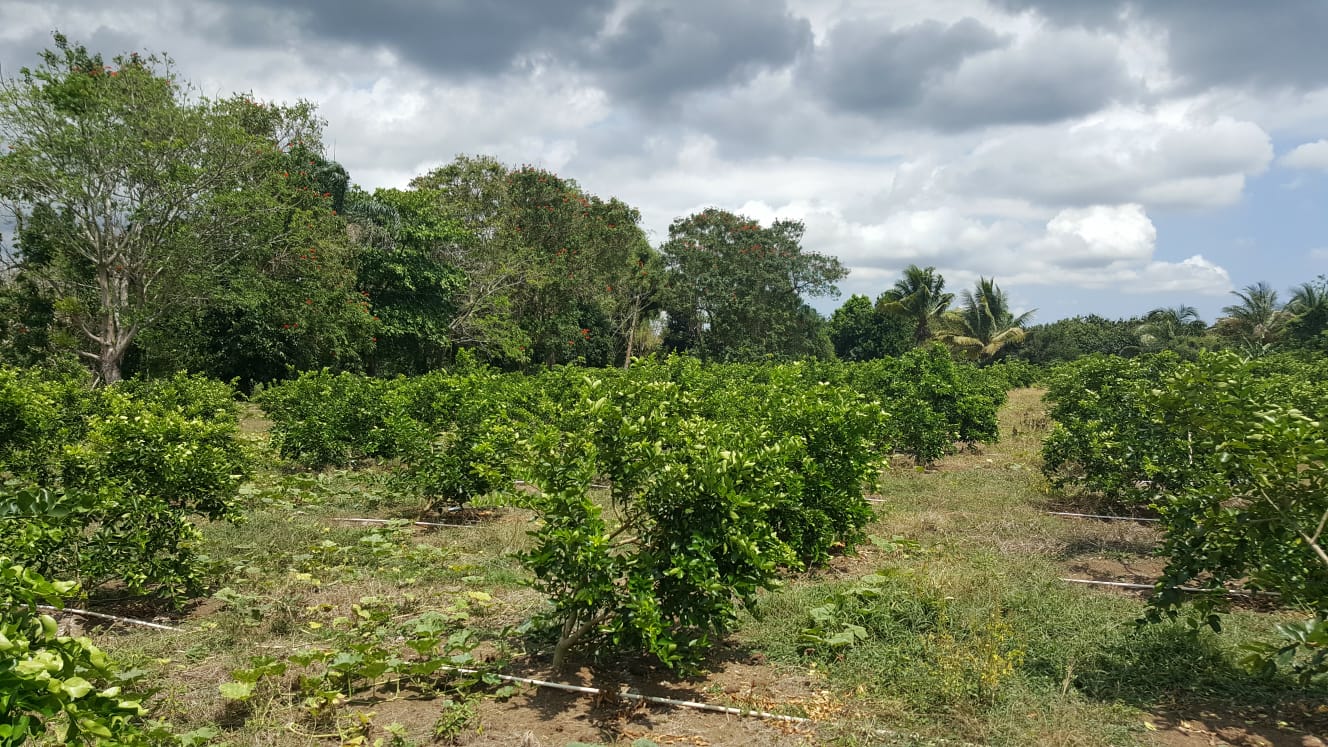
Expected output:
(1093, 156)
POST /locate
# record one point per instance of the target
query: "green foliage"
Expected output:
(1105, 439)
(102, 482)
(552, 274)
(734, 289)
(692, 545)
(828, 450)
(1070, 339)
(985, 325)
(321, 418)
(861, 331)
(1257, 319)
(53, 686)
(932, 401)
(120, 180)
(1229, 452)
(290, 298)
(404, 268)
(1302, 650)
(40, 411)
(720, 475)
(1014, 373)
(470, 415)
(1309, 303)
(192, 395)
(918, 297)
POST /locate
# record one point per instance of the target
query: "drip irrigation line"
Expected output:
(729, 710)
(104, 616)
(1190, 589)
(414, 523)
(1100, 516)
(628, 695)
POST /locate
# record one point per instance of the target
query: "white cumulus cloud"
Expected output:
(1307, 156)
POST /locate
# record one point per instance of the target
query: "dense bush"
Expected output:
(40, 412)
(720, 475)
(1106, 439)
(320, 418)
(472, 418)
(1013, 373)
(933, 401)
(101, 484)
(192, 395)
(1231, 455)
(691, 543)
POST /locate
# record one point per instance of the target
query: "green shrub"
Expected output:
(692, 545)
(55, 687)
(102, 484)
(472, 418)
(192, 395)
(320, 418)
(1014, 373)
(1231, 455)
(40, 412)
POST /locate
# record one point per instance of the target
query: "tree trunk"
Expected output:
(631, 337)
(113, 339)
(572, 634)
(108, 365)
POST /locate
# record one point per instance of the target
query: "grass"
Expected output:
(1009, 654)
(967, 632)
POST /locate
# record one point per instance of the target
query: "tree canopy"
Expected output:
(985, 324)
(735, 289)
(119, 182)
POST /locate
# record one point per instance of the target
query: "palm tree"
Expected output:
(1258, 317)
(1163, 327)
(1309, 304)
(1308, 298)
(986, 324)
(919, 297)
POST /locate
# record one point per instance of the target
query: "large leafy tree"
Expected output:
(735, 289)
(985, 324)
(405, 273)
(288, 299)
(552, 274)
(591, 252)
(112, 173)
(861, 331)
(920, 297)
(496, 263)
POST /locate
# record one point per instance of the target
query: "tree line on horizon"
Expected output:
(156, 230)
(984, 328)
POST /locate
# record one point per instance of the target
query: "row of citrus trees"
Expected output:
(1232, 455)
(722, 478)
